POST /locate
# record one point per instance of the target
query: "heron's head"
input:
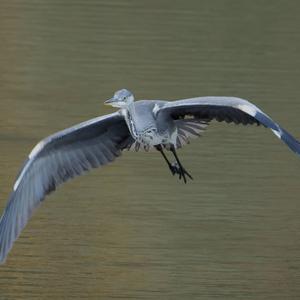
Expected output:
(121, 99)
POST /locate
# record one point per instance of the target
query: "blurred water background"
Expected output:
(131, 230)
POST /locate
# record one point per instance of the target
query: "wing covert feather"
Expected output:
(228, 109)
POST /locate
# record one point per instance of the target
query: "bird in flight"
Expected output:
(145, 124)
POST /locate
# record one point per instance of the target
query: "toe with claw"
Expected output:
(176, 169)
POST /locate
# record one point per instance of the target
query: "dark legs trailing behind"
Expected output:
(176, 167)
(179, 166)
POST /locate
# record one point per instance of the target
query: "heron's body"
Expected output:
(144, 124)
(145, 128)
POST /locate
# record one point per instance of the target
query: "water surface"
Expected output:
(131, 230)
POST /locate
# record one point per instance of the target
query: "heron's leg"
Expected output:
(183, 172)
(173, 168)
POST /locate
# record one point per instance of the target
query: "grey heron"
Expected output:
(144, 124)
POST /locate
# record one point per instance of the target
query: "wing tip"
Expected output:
(280, 132)
(293, 144)
(288, 139)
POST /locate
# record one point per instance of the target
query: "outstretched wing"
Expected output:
(55, 160)
(228, 109)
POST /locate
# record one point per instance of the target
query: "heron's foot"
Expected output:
(174, 168)
(177, 169)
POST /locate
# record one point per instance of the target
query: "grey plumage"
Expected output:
(57, 159)
(137, 125)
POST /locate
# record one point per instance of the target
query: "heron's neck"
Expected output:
(131, 110)
(130, 116)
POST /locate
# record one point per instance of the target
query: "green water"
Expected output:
(131, 230)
